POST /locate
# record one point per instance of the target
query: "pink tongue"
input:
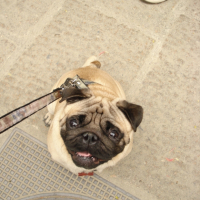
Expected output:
(85, 154)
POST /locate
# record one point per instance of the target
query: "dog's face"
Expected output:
(95, 130)
(90, 141)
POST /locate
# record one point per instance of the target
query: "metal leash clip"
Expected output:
(74, 89)
(76, 82)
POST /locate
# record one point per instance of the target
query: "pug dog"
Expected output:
(93, 128)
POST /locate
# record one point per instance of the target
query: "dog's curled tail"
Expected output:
(93, 62)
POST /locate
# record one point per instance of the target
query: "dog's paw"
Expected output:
(47, 119)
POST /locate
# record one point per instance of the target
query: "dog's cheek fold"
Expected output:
(62, 133)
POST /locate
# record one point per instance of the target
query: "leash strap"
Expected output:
(14, 117)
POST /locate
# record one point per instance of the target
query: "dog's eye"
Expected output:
(73, 123)
(113, 133)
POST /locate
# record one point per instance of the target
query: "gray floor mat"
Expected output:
(28, 172)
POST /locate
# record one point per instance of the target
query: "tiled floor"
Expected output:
(153, 50)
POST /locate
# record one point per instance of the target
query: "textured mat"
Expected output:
(27, 172)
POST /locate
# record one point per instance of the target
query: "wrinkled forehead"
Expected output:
(98, 105)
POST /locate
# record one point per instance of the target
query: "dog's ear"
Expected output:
(72, 95)
(133, 112)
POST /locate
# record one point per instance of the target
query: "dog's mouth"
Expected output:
(85, 159)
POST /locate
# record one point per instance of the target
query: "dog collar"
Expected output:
(86, 174)
(14, 117)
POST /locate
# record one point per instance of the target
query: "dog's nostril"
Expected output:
(90, 138)
(94, 138)
(85, 136)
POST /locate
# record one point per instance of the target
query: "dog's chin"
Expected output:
(85, 160)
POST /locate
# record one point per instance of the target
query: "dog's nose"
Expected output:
(90, 138)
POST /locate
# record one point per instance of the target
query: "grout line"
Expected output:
(31, 34)
(154, 54)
